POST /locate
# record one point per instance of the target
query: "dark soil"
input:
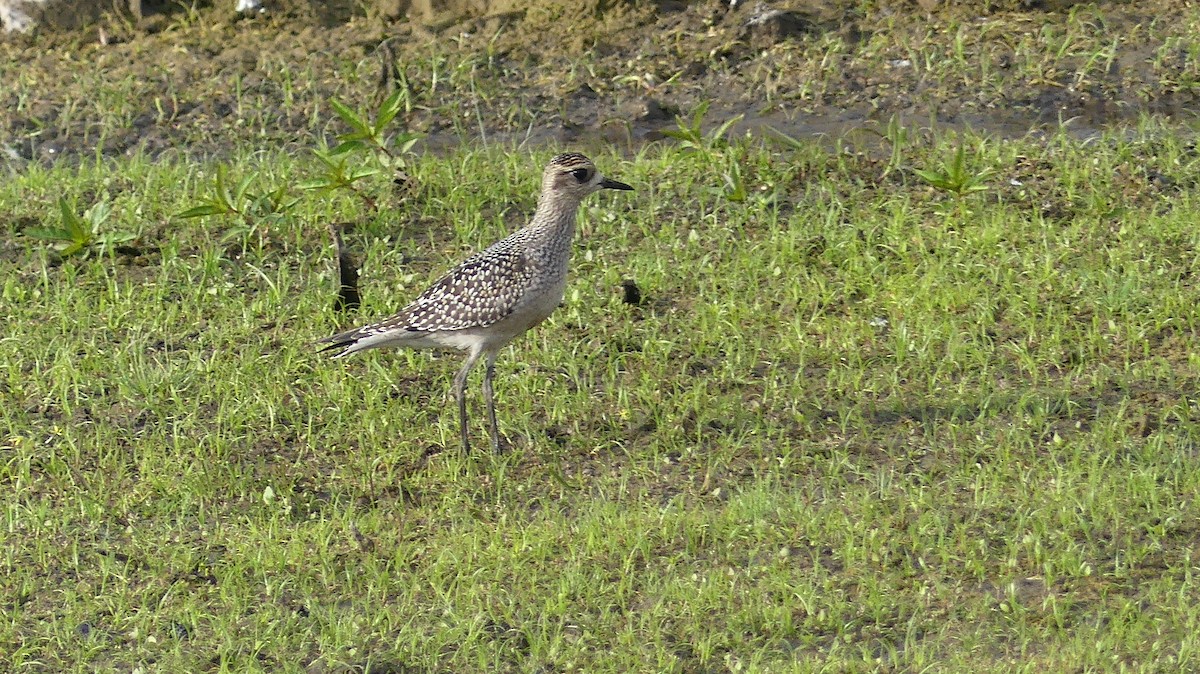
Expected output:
(200, 81)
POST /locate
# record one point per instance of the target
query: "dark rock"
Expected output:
(766, 26)
(633, 294)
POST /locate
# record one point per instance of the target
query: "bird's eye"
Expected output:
(581, 174)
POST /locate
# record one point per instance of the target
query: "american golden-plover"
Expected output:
(496, 295)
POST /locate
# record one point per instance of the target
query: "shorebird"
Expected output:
(496, 295)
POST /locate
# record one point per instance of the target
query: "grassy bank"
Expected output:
(858, 422)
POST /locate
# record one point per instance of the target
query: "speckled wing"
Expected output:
(477, 293)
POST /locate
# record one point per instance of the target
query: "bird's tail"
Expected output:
(343, 342)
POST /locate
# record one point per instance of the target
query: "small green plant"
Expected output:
(691, 136)
(735, 185)
(344, 165)
(222, 200)
(189, 17)
(954, 177)
(81, 233)
(714, 148)
(255, 208)
(784, 140)
(338, 174)
(253, 212)
(896, 134)
(388, 152)
(647, 82)
(366, 136)
(372, 134)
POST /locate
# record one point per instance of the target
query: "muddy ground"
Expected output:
(198, 79)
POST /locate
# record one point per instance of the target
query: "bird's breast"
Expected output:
(545, 298)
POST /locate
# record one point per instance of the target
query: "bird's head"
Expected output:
(573, 175)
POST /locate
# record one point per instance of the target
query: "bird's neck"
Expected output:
(554, 227)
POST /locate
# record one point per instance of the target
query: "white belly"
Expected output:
(535, 309)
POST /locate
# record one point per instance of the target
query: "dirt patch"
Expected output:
(202, 80)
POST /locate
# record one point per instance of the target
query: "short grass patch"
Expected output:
(857, 422)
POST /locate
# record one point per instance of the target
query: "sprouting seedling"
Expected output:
(252, 211)
(338, 174)
(954, 177)
(735, 185)
(78, 233)
(237, 200)
(365, 135)
(222, 200)
(691, 136)
(896, 134)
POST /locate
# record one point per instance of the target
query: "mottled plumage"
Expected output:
(495, 295)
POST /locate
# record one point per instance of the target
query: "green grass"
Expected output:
(862, 423)
(859, 424)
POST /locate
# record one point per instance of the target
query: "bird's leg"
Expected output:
(460, 392)
(488, 373)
